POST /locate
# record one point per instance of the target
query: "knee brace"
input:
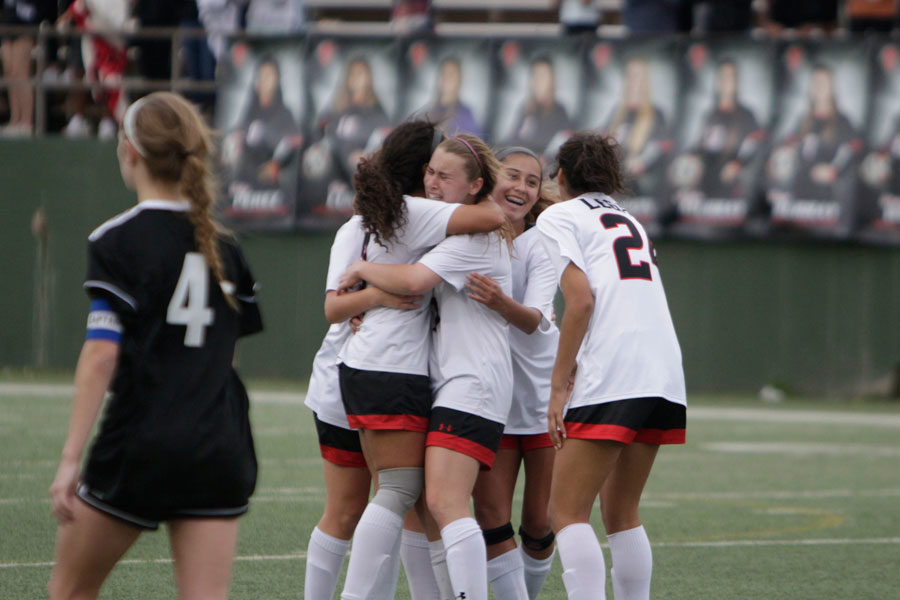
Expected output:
(536, 544)
(398, 489)
(497, 534)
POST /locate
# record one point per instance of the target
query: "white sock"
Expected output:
(632, 564)
(324, 558)
(439, 568)
(373, 542)
(507, 577)
(386, 585)
(466, 558)
(584, 571)
(536, 570)
(417, 564)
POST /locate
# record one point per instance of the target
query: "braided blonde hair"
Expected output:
(176, 145)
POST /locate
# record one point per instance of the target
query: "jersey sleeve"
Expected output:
(245, 288)
(559, 233)
(345, 250)
(541, 287)
(426, 221)
(110, 279)
(457, 256)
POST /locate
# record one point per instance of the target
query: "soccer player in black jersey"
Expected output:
(170, 296)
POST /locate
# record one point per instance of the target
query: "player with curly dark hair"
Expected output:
(628, 395)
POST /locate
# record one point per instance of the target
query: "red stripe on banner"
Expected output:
(343, 458)
(661, 436)
(589, 431)
(461, 445)
(402, 422)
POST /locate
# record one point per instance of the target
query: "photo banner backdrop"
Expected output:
(260, 114)
(447, 81)
(812, 170)
(720, 137)
(353, 95)
(879, 197)
(727, 94)
(539, 85)
(632, 93)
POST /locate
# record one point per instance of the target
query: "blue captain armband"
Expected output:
(103, 322)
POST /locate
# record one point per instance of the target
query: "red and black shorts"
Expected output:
(525, 442)
(647, 420)
(465, 433)
(381, 400)
(338, 445)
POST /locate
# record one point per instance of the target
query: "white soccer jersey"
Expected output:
(630, 349)
(471, 369)
(392, 339)
(323, 395)
(533, 285)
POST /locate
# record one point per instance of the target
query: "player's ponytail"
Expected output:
(176, 144)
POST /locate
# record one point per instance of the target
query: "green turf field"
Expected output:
(798, 500)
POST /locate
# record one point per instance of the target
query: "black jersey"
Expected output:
(175, 433)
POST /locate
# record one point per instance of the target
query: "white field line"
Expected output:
(650, 500)
(889, 541)
(704, 413)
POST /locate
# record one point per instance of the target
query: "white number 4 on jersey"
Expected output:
(188, 304)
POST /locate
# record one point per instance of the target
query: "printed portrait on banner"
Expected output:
(539, 87)
(447, 81)
(812, 169)
(259, 112)
(879, 197)
(727, 102)
(633, 94)
(353, 91)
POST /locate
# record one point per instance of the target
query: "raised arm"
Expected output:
(576, 290)
(341, 307)
(93, 374)
(476, 218)
(396, 279)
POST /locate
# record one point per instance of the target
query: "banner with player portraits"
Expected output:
(538, 93)
(720, 137)
(727, 94)
(812, 168)
(260, 114)
(449, 82)
(878, 200)
(353, 91)
(632, 93)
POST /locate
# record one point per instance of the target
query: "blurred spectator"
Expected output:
(720, 16)
(411, 16)
(104, 59)
(803, 15)
(580, 16)
(197, 56)
(16, 58)
(872, 15)
(656, 16)
(275, 16)
(221, 18)
(155, 59)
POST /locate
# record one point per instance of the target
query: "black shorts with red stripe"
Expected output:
(465, 433)
(382, 400)
(338, 445)
(525, 442)
(647, 420)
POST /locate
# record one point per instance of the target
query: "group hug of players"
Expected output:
(442, 373)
